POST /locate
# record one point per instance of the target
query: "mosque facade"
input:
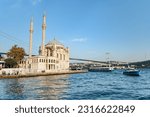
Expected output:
(53, 56)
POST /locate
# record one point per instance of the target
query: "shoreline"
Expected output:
(43, 74)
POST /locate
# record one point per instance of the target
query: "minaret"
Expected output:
(31, 36)
(43, 34)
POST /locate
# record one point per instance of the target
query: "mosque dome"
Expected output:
(54, 42)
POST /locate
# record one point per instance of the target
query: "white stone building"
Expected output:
(53, 57)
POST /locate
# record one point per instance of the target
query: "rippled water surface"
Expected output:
(92, 85)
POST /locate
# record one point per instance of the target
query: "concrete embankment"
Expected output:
(43, 74)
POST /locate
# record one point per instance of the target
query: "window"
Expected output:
(60, 56)
(51, 54)
(64, 57)
(49, 66)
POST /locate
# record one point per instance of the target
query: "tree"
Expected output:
(16, 53)
(10, 63)
(1, 57)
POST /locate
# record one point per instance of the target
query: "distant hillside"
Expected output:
(142, 64)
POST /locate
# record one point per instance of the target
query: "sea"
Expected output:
(84, 86)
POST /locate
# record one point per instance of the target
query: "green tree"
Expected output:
(16, 53)
(10, 63)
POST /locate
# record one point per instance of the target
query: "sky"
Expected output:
(90, 28)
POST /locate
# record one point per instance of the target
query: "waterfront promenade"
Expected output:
(43, 74)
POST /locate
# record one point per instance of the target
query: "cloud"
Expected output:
(79, 39)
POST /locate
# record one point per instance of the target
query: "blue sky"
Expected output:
(90, 28)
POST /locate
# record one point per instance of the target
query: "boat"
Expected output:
(107, 68)
(131, 72)
(100, 69)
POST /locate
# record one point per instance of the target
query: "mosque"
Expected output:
(53, 56)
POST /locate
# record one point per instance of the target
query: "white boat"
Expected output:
(107, 68)
(100, 69)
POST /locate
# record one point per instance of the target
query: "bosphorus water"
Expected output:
(88, 86)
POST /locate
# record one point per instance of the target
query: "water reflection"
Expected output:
(47, 87)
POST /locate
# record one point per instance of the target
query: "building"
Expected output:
(53, 56)
(2, 64)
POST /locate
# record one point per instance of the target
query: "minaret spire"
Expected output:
(43, 34)
(31, 37)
